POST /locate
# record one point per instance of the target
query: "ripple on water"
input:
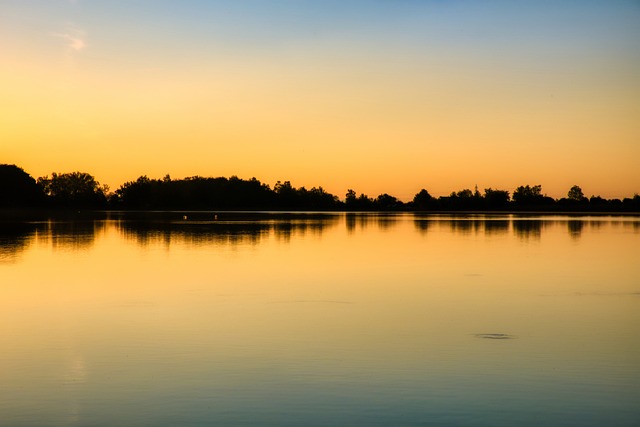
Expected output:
(495, 336)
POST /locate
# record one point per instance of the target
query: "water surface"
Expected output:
(320, 319)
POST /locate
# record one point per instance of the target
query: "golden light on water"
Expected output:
(226, 320)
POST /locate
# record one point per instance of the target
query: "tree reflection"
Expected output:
(194, 233)
(386, 221)
(462, 225)
(72, 235)
(527, 228)
(15, 238)
(468, 224)
(362, 220)
(575, 227)
(597, 224)
(233, 229)
(633, 225)
(496, 226)
(350, 222)
(422, 224)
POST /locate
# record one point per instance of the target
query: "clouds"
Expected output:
(74, 37)
(401, 88)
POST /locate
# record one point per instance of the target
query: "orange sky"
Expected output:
(390, 97)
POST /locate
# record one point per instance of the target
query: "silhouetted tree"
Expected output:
(464, 194)
(496, 199)
(526, 197)
(18, 189)
(631, 204)
(423, 200)
(462, 200)
(195, 193)
(527, 194)
(387, 202)
(81, 190)
(365, 202)
(319, 199)
(531, 198)
(361, 202)
(575, 201)
(575, 194)
(615, 205)
(286, 195)
(74, 190)
(597, 203)
(136, 194)
(350, 199)
(198, 193)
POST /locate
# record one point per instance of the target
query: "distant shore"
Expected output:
(38, 215)
(62, 193)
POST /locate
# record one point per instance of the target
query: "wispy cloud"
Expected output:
(74, 37)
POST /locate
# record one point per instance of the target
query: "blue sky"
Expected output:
(435, 94)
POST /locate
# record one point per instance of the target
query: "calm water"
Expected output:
(335, 319)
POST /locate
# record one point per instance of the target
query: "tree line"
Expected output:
(80, 190)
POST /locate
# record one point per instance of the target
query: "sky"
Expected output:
(375, 96)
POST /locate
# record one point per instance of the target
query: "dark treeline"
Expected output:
(80, 190)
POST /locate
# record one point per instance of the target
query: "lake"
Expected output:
(181, 318)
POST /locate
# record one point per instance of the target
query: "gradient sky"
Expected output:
(378, 96)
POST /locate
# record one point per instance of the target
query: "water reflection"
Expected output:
(361, 220)
(193, 228)
(225, 229)
(465, 225)
(14, 239)
(192, 233)
(596, 225)
(351, 222)
(575, 227)
(423, 224)
(386, 221)
(524, 227)
(78, 233)
(527, 228)
(72, 235)
(418, 318)
(496, 226)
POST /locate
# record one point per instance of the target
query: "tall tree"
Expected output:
(18, 188)
(496, 199)
(575, 194)
(74, 190)
(423, 200)
(527, 194)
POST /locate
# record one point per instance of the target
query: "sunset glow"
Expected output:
(376, 96)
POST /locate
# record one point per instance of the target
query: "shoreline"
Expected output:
(213, 215)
